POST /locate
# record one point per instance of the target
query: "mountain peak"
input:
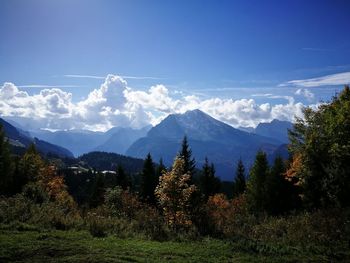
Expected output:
(194, 112)
(196, 116)
(195, 123)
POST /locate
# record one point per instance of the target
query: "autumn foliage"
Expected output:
(174, 193)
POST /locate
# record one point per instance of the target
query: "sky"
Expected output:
(100, 64)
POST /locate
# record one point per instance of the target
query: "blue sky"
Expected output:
(210, 49)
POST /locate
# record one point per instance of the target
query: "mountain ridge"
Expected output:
(20, 139)
(220, 142)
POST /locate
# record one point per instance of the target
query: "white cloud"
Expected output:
(334, 79)
(116, 104)
(306, 93)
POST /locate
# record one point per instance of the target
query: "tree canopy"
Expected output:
(322, 141)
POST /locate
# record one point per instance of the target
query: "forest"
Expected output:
(295, 209)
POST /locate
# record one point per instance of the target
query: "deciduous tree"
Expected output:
(174, 193)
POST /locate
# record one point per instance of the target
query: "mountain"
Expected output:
(276, 129)
(115, 140)
(77, 141)
(281, 151)
(246, 129)
(120, 139)
(221, 143)
(20, 140)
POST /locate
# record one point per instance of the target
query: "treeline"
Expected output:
(300, 200)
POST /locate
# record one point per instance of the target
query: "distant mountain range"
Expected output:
(221, 143)
(276, 129)
(115, 140)
(20, 140)
(208, 137)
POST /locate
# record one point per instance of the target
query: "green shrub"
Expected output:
(35, 193)
(320, 228)
(15, 208)
(97, 228)
(53, 215)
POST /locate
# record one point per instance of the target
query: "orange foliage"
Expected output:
(295, 169)
(227, 215)
(55, 186)
(219, 210)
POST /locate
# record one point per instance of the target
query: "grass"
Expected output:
(34, 245)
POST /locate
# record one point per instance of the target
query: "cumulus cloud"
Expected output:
(334, 79)
(116, 104)
(306, 93)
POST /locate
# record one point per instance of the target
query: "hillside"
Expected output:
(20, 140)
(110, 161)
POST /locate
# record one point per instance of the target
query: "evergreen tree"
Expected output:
(160, 169)
(148, 180)
(322, 140)
(239, 184)
(275, 188)
(186, 154)
(209, 183)
(6, 165)
(98, 191)
(281, 194)
(256, 190)
(122, 178)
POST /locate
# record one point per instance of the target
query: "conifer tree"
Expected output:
(98, 191)
(148, 180)
(276, 187)
(281, 193)
(256, 190)
(239, 184)
(209, 183)
(6, 165)
(186, 154)
(160, 169)
(122, 178)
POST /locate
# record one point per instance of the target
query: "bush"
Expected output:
(122, 203)
(53, 215)
(97, 228)
(325, 228)
(16, 208)
(151, 223)
(35, 193)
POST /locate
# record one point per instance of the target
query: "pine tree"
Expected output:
(275, 187)
(148, 180)
(160, 169)
(281, 194)
(122, 178)
(256, 190)
(98, 191)
(6, 165)
(209, 183)
(186, 154)
(239, 184)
